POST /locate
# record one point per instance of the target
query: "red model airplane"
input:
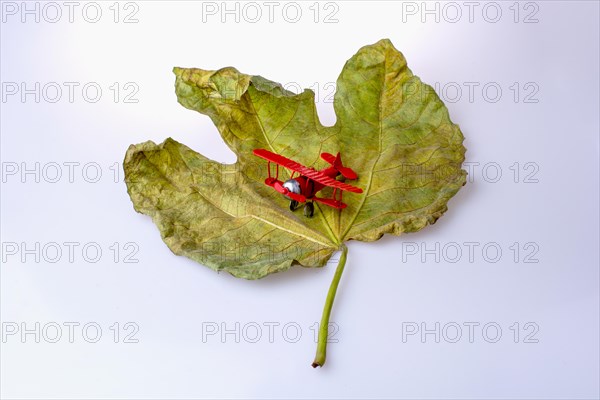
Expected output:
(303, 188)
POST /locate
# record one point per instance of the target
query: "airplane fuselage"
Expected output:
(309, 188)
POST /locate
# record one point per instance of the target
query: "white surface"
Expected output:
(171, 298)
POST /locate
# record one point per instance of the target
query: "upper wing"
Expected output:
(308, 172)
(279, 159)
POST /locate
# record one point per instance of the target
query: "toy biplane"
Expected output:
(304, 187)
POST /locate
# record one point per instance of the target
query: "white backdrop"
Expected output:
(499, 299)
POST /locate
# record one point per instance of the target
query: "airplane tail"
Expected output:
(336, 162)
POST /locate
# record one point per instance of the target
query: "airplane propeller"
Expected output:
(294, 196)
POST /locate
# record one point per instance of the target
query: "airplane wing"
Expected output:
(308, 172)
(330, 202)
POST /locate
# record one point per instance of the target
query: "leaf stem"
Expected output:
(324, 327)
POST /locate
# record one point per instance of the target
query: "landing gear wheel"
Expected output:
(293, 205)
(309, 209)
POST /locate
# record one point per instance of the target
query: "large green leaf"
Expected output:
(391, 128)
